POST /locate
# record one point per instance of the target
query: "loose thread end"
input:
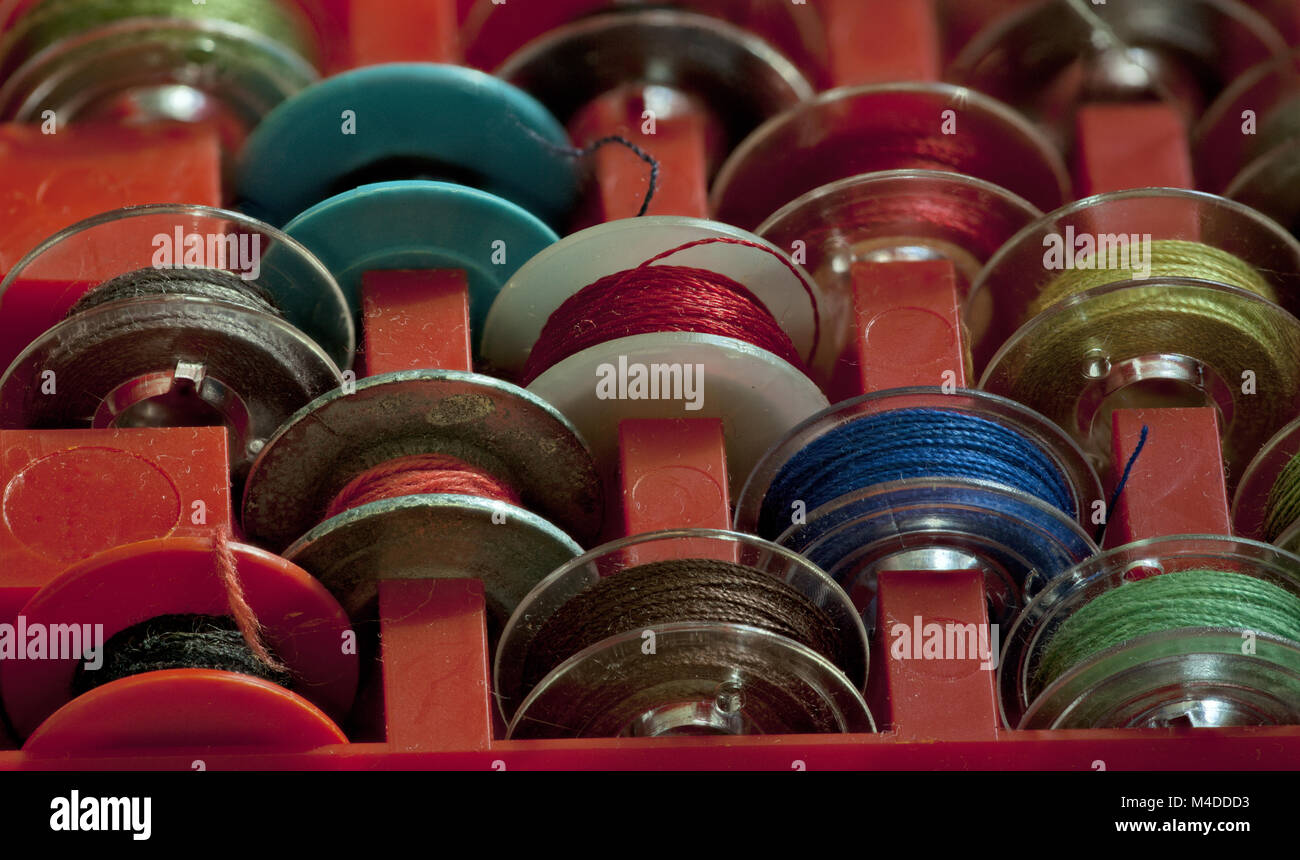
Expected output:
(1123, 481)
(245, 619)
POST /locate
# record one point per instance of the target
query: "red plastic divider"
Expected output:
(1176, 486)
(61, 496)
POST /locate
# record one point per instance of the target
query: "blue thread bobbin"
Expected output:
(943, 507)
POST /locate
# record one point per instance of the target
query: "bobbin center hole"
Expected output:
(721, 715)
(183, 397)
(1161, 380)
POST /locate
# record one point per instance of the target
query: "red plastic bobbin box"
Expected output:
(437, 700)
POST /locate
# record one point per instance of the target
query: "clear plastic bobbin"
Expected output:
(1193, 676)
(162, 356)
(589, 570)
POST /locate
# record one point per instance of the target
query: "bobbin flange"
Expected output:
(1246, 144)
(935, 523)
(1254, 499)
(408, 120)
(130, 62)
(422, 225)
(853, 130)
(738, 76)
(1144, 338)
(302, 625)
(577, 575)
(718, 679)
(891, 216)
(433, 536)
(491, 34)
(1192, 676)
(1047, 58)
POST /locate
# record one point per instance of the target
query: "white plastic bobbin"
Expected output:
(756, 394)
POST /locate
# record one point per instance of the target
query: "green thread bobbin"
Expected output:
(1169, 601)
(1169, 258)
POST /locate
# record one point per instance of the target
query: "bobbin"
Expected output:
(1048, 58)
(740, 78)
(938, 523)
(756, 394)
(853, 130)
(891, 216)
(122, 587)
(579, 574)
(1250, 504)
(416, 224)
(408, 120)
(724, 685)
(1194, 676)
(1256, 168)
(1142, 354)
(161, 358)
(162, 60)
(492, 34)
(488, 423)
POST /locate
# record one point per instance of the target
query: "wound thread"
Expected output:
(650, 299)
(1166, 602)
(681, 590)
(1283, 505)
(1169, 258)
(241, 613)
(178, 642)
(420, 474)
(52, 21)
(200, 283)
(911, 443)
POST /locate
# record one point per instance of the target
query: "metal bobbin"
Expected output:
(408, 121)
(853, 130)
(1048, 58)
(1256, 168)
(1019, 542)
(739, 78)
(590, 569)
(301, 624)
(171, 359)
(756, 394)
(492, 34)
(1194, 676)
(724, 685)
(488, 423)
(890, 216)
(178, 62)
(1146, 353)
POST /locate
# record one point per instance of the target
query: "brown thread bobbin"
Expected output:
(678, 590)
(747, 682)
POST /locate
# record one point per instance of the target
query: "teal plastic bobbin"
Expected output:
(422, 225)
(407, 121)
